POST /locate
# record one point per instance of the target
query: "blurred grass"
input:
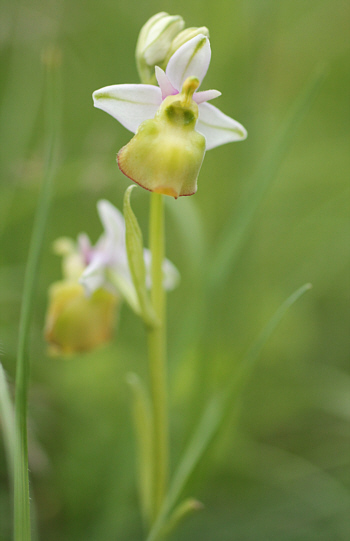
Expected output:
(284, 473)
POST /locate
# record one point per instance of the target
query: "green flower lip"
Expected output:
(164, 191)
(166, 153)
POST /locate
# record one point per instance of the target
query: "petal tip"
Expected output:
(244, 133)
(166, 190)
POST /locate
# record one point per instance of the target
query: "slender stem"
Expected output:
(157, 354)
(22, 529)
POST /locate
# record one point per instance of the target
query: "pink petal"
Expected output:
(164, 83)
(205, 95)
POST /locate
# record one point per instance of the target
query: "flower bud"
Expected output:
(166, 153)
(183, 37)
(76, 323)
(154, 42)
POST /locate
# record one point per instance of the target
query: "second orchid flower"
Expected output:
(83, 307)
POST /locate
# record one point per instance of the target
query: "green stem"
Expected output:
(157, 354)
(22, 529)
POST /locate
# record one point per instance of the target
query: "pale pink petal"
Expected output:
(205, 95)
(129, 104)
(191, 60)
(164, 83)
(217, 127)
(85, 248)
(94, 276)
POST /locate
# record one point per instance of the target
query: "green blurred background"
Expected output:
(280, 469)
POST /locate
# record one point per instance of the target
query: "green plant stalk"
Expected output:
(22, 529)
(157, 354)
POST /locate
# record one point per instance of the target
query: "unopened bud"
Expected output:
(154, 42)
(183, 37)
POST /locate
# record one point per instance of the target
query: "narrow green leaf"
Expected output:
(143, 424)
(199, 442)
(7, 420)
(233, 236)
(215, 413)
(253, 353)
(7, 423)
(319, 489)
(134, 247)
(182, 511)
(51, 60)
(204, 434)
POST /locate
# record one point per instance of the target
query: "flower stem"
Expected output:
(157, 354)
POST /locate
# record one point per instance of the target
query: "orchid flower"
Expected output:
(83, 306)
(75, 322)
(107, 263)
(135, 104)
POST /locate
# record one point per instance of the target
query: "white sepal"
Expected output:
(129, 104)
(217, 127)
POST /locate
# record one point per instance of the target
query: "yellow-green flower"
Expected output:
(75, 322)
(84, 306)
(173, 122)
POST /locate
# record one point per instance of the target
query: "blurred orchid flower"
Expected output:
(76, 323)
(83, 306)
(107, 262)
(157, 141)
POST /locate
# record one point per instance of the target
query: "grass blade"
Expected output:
(7, 418)
(22, 531)
(204, 434)
(182, 511)
(236, 231)
(215, 413)
(253, 353)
